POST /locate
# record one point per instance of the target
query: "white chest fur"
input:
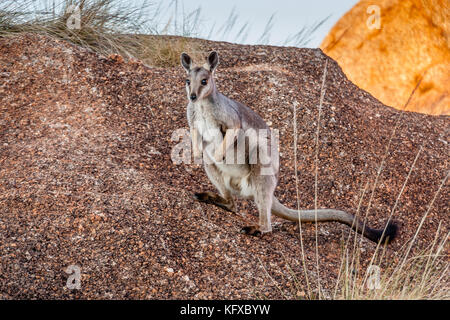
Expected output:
(204, 122)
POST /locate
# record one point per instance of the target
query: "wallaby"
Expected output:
(210, 111)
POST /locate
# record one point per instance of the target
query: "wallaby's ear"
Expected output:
(186, 61)
(213, 60)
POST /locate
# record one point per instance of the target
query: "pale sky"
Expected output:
(290, 17)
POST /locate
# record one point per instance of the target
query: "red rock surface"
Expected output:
(86, 176)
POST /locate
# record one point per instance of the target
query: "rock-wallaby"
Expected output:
(210, 111)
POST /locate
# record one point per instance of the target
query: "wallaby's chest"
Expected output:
(205, 123)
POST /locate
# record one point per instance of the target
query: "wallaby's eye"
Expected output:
(188, 82)
(204, 82)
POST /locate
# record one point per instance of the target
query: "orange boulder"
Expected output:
(387, 46)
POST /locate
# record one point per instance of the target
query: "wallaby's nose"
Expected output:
(193, 97)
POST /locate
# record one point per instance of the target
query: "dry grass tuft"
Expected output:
(104, 26)
(165, 51)
(424, 275)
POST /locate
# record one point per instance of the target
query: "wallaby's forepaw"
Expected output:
(212, 198)
(202, 196)
(251, 231)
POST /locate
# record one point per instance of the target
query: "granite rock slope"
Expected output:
(86, 176)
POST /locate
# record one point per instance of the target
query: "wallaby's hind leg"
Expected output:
(264, 186)
(224, 200)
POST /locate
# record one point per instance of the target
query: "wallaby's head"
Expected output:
(199, 81)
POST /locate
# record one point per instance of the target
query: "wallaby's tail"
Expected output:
(383, 235)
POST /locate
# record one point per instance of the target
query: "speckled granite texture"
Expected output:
(86, 176)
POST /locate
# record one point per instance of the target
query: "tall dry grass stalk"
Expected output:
(316, 166)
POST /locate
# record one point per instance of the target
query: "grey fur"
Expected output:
(211, 110)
